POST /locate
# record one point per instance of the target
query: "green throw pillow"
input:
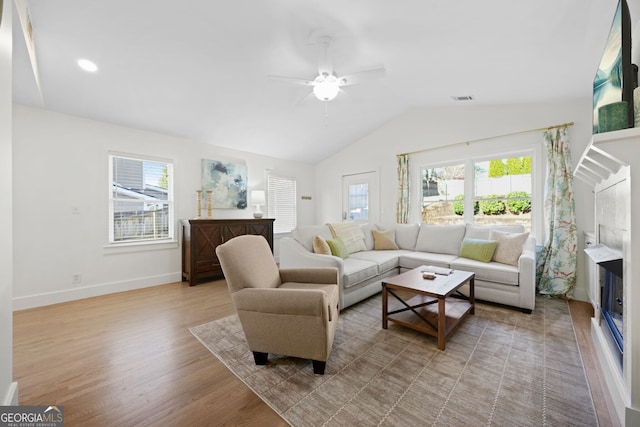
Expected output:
(338, 248)
(478, 249)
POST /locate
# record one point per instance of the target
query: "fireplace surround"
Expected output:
(611, 165)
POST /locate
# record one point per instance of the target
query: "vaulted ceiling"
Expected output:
(201, 69)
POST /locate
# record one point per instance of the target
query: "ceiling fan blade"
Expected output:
(361, 76)
(296, 80)
(304, 99)
(325, 65)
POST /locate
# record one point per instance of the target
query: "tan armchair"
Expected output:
(292, 312)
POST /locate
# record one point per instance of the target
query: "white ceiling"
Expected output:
(199, 69)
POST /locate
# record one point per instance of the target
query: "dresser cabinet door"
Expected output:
(207, 237)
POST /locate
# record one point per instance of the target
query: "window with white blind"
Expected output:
(281, 202)
(140, 199)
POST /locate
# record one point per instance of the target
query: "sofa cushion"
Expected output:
(484, 231)
(444, 239)
(477, 232)
(384, 240)
(509, 246)
(406, 234)
(367, 230)
(304, 234)
(350, 233)
(416, 259)
(385, 260)
(488, 271)
(338, 248)
(320, 246)
(358, 270)
(478, 249)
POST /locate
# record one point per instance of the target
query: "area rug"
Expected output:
(500, 368)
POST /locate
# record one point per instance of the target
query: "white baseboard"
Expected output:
(48, 298)
(580, 294)
(11, 399)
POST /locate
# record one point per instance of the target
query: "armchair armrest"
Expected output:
(305, 302)
(324, 275)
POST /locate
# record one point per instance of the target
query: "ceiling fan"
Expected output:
(327, 84)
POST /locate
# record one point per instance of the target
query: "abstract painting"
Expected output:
(228, 181)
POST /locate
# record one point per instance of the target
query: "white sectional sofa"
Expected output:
(361, 272)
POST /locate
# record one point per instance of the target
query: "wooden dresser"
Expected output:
(201, 237)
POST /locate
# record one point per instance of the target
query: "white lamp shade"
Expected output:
(258, 197)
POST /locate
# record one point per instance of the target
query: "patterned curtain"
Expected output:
(556, 266)
(402, 207)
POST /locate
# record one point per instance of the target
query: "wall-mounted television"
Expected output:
(616, 76)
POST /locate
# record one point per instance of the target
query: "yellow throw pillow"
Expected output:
(384, 240)
(320, 246)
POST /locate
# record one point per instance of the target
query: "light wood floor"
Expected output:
(128, 359)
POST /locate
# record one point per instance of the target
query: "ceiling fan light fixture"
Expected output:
(326, 88)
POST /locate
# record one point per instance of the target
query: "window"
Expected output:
(358, 199)
(498, 191)
(141, 199)
(281, 202)
(503, 192)
(443, 194)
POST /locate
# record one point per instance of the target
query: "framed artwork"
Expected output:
(228, 182)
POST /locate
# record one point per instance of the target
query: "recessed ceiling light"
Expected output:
(87, 65)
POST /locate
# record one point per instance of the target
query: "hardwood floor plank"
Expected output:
(128, 359)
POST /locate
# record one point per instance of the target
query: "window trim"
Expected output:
(170, 241)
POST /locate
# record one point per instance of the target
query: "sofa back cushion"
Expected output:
(406, 234)
(367, 230)
(304, 234)
(483, 231)
(441, 239)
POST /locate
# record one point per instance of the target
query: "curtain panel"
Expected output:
(402, 206)
(556, 266)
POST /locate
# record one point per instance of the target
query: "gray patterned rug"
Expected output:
(500, 368)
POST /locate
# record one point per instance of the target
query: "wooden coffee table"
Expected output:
(427, 306)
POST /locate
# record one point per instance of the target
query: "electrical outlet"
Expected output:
(76, 279)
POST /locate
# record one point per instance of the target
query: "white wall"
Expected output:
(8, 389)
(60, 162)
(425, 128)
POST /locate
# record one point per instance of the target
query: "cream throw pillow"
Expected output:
(384, 240)
(320, 246)
(508, 246)
(351, 235)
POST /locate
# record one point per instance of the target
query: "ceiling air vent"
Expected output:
(462, 98)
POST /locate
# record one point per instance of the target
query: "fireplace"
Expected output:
(611, 306)
(608, 256)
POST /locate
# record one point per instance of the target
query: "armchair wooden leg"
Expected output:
(318, 367)
(260, 358)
